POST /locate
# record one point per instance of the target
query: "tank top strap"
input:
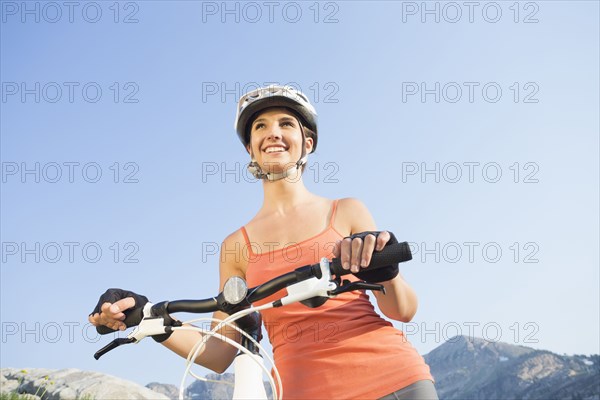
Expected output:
(333, 210)
(248, 246)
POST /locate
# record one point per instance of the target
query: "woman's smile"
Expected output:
(275, 149)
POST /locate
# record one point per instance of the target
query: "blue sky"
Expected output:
(501, 100)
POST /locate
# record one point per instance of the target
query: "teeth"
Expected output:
(274, 149)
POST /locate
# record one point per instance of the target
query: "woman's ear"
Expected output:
(309, 144)
(248, 148)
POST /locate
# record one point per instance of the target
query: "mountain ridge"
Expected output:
(463, 368)
(473, 368)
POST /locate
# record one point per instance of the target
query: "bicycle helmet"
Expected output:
(255, 101)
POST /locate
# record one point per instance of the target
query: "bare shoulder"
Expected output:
(351, 203)
(235, 237)
(354, 216)
(232, 261)
(352, 206)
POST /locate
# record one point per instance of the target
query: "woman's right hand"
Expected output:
(118, 309)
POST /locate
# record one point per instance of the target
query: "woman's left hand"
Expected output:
(355, 253)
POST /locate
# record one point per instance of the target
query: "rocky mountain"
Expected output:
(171, 391)
(464, 368)
(48, 384)
(473, 368)
(200, 390)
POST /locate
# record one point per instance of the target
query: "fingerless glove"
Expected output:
(379, 274)
(134, 315)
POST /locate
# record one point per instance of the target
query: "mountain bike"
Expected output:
(311, 285)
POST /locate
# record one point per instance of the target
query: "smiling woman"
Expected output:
(342, 345)
(341, 342)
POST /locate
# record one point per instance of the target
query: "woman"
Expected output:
(342, 349)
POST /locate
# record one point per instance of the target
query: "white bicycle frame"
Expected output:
(249, 368)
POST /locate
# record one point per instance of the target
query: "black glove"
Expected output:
(379, 274)
(251, 324)
(133, 316)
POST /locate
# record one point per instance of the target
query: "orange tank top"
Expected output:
(340, 350)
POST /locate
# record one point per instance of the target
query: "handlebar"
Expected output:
(392, 253)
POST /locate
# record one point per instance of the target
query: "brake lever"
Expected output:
(113, 345)
(348, 286)
(147, 327)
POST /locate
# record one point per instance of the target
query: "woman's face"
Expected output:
(276, 139)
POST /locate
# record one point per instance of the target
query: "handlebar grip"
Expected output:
(391, 254)
(104, 330)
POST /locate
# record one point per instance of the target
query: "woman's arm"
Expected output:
(216, 355)
(400, 301)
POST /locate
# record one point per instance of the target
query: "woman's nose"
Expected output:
(274, 132)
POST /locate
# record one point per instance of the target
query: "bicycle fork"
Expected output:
(249, 377)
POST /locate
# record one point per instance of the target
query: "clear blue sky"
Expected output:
(515, 98)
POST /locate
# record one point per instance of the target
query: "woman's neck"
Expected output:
(283, 195)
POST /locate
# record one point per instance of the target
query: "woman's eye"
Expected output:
(288, 123)
(259, 125)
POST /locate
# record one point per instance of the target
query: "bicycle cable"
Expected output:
(207, 334)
